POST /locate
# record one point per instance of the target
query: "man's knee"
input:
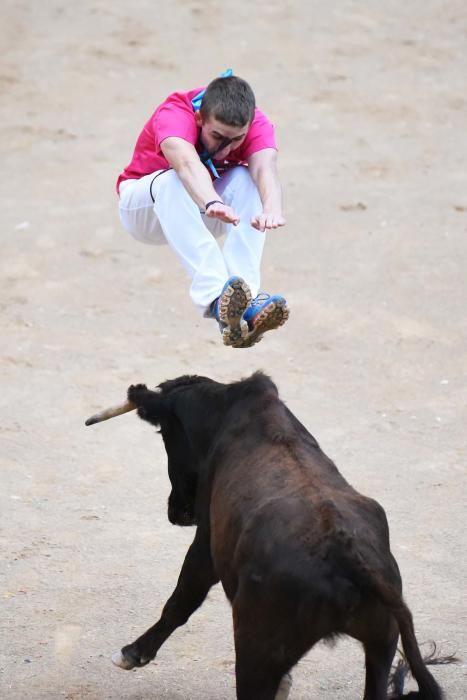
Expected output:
(142, 224)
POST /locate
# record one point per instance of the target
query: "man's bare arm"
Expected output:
(263, 169)
(184, 159)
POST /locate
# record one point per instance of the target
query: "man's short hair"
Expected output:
(229, 100)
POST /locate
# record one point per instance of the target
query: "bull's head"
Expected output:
(177, 407)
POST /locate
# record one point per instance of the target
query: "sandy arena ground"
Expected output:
(369, 102)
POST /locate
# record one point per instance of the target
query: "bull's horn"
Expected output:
(111, 412)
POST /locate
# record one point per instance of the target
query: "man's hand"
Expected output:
(263, 169)
(223, 212)
(263, 221)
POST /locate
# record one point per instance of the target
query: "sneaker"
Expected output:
(228, 309)
(265, 313)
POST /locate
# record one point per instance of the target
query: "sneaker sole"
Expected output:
(273, 316)
(232, 304)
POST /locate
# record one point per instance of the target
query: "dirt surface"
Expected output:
(370, 107)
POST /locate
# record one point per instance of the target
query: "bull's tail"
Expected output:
(428, 687)
(392, 598)
(402, 669)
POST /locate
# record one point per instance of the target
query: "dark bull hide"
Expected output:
(300, 554)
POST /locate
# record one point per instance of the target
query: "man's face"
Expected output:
(214, 132)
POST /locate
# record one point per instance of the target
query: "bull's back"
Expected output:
(281, 522)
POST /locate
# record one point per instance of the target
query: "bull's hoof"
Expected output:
(127, 660)
(119, 660)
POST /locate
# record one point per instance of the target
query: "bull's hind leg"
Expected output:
(261, 681)
(196, 578)
(374, 625)
(269, 638)
(379, 655)
(262, 663)
(378, 660)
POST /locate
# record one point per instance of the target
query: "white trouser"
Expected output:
(157, 209)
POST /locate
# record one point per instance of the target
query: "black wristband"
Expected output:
(208, 204)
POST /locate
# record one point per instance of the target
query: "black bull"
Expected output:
(300, 554)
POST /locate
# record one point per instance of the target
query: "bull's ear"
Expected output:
(150, 404)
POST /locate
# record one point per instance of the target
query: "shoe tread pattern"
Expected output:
(273, 316)
(232, 304)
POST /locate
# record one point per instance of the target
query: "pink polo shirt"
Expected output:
(175, 117)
